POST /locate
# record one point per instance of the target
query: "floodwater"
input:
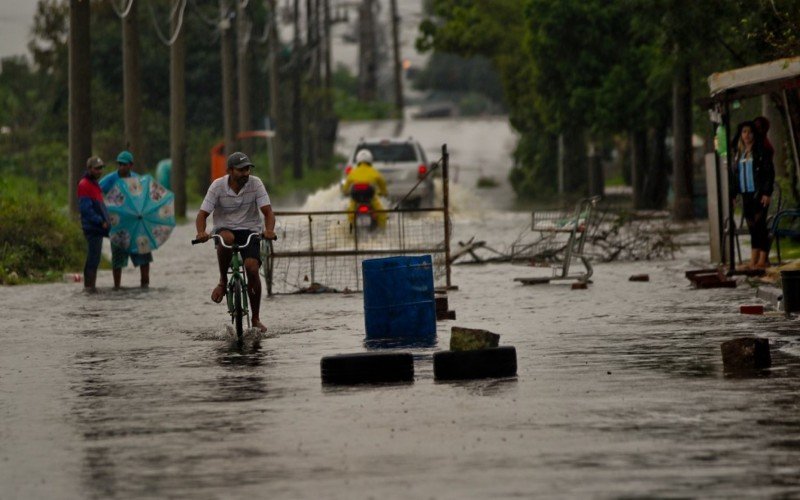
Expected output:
(620, 391)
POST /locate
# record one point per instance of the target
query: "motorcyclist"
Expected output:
(365, 173)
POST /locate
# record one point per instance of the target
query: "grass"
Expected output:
(790, 249)
(38, 242)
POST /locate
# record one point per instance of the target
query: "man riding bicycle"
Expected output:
(238, 202)
(365, 173)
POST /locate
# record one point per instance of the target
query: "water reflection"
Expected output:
(248, 354)
(125, 399)
(483, 387)
(91, 412)
(401, 342)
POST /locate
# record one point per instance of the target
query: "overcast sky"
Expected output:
(16, 17)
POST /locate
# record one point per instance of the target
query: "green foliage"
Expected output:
(37, 242)
(452, 73)
(312, 180)
(42, 165)
(347, 106)
(605, 68)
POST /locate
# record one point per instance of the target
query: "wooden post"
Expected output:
(367, 60)
(243, 72)
(398, 68)
(177, 115)
(80, 104)
(328, 74)
(132, 87)
(726, 118)
(274, 95)
(226, 59)
(446, 201)
(297, 133)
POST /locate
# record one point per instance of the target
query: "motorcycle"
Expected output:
(364, 217)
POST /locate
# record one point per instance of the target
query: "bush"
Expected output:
(37, 242)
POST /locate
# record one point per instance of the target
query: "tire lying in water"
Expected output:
(494, 362)
(367, 368)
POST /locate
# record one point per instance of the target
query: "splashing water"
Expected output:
(463, 201)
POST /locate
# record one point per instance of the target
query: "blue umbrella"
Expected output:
(142, 213)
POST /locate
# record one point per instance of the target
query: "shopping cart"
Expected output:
(561, 240)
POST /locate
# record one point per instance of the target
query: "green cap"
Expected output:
(125, 157)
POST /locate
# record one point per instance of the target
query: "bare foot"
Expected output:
(218, 293)
(258, 324)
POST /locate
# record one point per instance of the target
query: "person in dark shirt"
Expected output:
(94, 220)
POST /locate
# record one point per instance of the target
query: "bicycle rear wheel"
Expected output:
(238, 311)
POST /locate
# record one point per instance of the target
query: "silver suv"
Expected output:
(402, 163)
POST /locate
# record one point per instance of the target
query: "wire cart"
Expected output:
(562, 236)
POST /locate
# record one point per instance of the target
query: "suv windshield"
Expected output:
(390, 152)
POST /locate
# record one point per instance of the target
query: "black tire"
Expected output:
(238, 312)
(494, 362)
(367, 368)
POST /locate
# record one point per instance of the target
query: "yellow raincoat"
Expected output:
(364, 173)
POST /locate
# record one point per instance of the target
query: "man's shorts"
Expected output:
(119, 258)
(251, 251)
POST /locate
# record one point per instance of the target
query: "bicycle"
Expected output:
(236, 289)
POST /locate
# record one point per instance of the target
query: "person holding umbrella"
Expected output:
(120, 255)
(94, 220)
(239, 201)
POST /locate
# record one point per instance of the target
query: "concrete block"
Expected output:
(746, 353)
(469, 339)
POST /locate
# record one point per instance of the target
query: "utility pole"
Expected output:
(243, 70)
(367, 58)
(177, 114)
(80, 104)
(297, 133)
(227, 75)
(132, 87)
(328, 75)
(274, 95)
(311, 111)
(398, 68)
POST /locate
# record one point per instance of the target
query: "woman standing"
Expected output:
(753, 178)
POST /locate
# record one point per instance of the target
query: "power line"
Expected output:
(122, 13)
(179, 9)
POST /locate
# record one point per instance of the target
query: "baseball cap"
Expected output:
(94, 162)
(125, 157)
(239, 160)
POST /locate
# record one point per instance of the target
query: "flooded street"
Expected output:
(620, 392)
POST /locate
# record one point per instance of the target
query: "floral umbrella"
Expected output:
(142, 213)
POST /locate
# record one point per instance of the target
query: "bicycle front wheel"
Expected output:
(238, 311)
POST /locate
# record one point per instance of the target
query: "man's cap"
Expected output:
(94, 162)
(239, 160)
(125, 157)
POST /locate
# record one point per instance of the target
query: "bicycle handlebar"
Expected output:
(222, 242)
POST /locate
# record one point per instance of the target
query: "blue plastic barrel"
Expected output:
(399, 298)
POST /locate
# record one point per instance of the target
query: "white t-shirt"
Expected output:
(233, 210)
